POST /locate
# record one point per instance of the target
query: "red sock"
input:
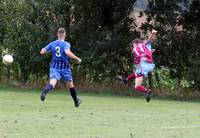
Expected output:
(141, 89)
(131, 76)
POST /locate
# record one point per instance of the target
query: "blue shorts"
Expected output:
(58, 74)
(144, 68)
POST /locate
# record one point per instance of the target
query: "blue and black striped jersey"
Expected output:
(60, 60)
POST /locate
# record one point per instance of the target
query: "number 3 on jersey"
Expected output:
(58, 53)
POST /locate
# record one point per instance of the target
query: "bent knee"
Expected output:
(70, 84)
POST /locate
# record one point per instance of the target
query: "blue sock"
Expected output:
(73, 94)
(48, 88)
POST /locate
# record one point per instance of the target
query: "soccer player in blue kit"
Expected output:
(60, 66)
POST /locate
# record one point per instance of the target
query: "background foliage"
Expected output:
(100, 32)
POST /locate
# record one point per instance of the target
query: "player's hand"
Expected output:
(154, 32)
(153, 50)
(79, 60)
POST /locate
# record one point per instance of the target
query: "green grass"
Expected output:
(22, 115)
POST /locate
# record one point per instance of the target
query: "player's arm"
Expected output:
(72, 56)
(46, 49)
(154, 32)
(153, 50)
(43, 51)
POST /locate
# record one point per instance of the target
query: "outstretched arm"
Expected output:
(43, 51)
(152, 35)
(46, 49)
(71, 55)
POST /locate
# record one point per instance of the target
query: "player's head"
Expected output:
(137, 40)
(61, 33)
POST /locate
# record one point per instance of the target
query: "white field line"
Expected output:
(182, 127)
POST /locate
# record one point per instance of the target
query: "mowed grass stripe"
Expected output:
(22, 115)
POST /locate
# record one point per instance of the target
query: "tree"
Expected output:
(178, 25)
(30, 25)
(190, 21)
(101, 35)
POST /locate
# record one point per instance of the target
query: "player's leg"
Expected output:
(54, 77)
(138, 84)
(128, 79)
(150, 68)
(139, 74)
(145, 69)
(48, 88)
(67, 75)
(139, 87)
(122, 79)
(73, 93)
(131, 77)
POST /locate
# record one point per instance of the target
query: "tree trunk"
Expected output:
(0, 72)
(150, 80)
(8, 75)
(158, 81)
(24, 75)
(178, 87)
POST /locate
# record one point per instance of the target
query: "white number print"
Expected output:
(58, 54)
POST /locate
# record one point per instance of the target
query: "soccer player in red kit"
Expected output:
(143, 61)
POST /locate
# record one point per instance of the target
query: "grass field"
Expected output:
(22, 115)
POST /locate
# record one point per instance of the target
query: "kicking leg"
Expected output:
(128, 79)
(73, 92)
(140, 88)
(138, 85)
(131, 76)
(48, 88)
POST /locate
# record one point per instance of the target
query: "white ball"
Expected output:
(154, 31)
(7, 59)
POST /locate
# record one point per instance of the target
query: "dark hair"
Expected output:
(61, 31)
(137, 40)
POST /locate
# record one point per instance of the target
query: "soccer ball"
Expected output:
(7, 59)
(154, 31)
